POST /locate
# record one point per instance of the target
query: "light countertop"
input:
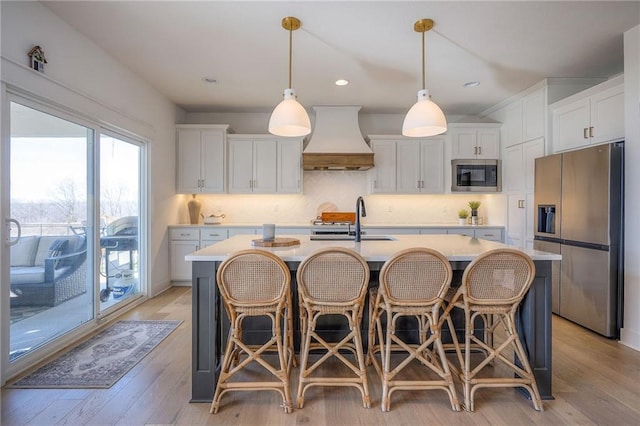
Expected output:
(453, 247)
(308, 225)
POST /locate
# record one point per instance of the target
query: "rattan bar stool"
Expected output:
(413, 283)
(493, 286)
(332, 281)
(256, 283)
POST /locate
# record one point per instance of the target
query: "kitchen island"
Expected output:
(208, 315)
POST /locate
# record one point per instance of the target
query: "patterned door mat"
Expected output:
(103, 359)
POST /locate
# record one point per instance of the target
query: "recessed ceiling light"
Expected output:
(342, 82)
(471, 84)
(210, 80)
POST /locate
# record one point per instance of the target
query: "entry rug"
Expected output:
(102, 360)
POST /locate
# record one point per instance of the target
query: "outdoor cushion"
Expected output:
(46, 241)
(23, 253)
(58, 248)
(27, 275)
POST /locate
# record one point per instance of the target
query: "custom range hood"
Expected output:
(336, 142)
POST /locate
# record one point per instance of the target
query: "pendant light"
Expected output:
(289, 118)
(425, 118)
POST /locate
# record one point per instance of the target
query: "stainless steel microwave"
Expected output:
(476, 175)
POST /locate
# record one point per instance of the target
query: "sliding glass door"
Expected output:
(119, 220)
(51, 285)
(75, 203)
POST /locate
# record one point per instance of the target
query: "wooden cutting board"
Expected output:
(339, 217)
(276, 242)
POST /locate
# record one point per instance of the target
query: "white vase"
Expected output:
(462, 221)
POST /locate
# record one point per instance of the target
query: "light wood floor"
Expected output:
(596, 381)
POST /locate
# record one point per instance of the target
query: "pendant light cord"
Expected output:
(423, 66)
(290, 54)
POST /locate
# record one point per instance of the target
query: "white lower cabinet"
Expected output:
(183, 241)
(244, 231)
(491, 234)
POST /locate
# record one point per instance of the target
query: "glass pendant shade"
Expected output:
(289, 118)
(425, 118)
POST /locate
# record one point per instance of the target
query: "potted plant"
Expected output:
(462, 216)
(474, 205)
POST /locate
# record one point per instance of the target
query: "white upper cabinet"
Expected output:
(533, 114)
(593, 116)
(512, 127)
(200, 158)
(519, 165)
(264, 164)
(475, 141)
(289, 172)
(383, 174)
(407, 165)
(524, 118)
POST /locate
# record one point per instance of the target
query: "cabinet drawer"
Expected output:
(213, 234)
(184, 234)
(489, 234)
(461, 231)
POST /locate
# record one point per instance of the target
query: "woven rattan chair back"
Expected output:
(493, 286)
(413, 283)
(333, 275)
(498, 277)
(253, 278)
(415, 276)
(332, 281)
(256, 283)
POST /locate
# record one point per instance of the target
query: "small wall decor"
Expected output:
(36, 54)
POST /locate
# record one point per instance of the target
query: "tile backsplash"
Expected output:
(342, 188)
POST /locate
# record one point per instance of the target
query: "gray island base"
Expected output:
(209, 329)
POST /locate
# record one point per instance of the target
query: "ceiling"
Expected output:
(506, 46)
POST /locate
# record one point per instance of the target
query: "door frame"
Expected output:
(8, 94)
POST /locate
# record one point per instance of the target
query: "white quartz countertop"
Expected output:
(308, 225)
(453, 247)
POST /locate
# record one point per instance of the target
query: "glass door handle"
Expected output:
(11, 242)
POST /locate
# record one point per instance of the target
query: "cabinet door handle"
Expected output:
(250, 183)
(421, 184)
(479, 150)
(475, 150)
(584, 133)
(521, 204)
(375, 183)
(591, 131)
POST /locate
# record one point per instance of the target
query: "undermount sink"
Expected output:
(334, 237)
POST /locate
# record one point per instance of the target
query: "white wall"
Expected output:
(630, 333)
(83, 78)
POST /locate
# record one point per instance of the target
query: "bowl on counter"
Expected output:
(214, 219)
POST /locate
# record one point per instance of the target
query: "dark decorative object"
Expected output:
(36, 54)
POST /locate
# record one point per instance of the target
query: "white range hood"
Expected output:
(336, 142)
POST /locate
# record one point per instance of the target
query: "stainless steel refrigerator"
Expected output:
(579, 199)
